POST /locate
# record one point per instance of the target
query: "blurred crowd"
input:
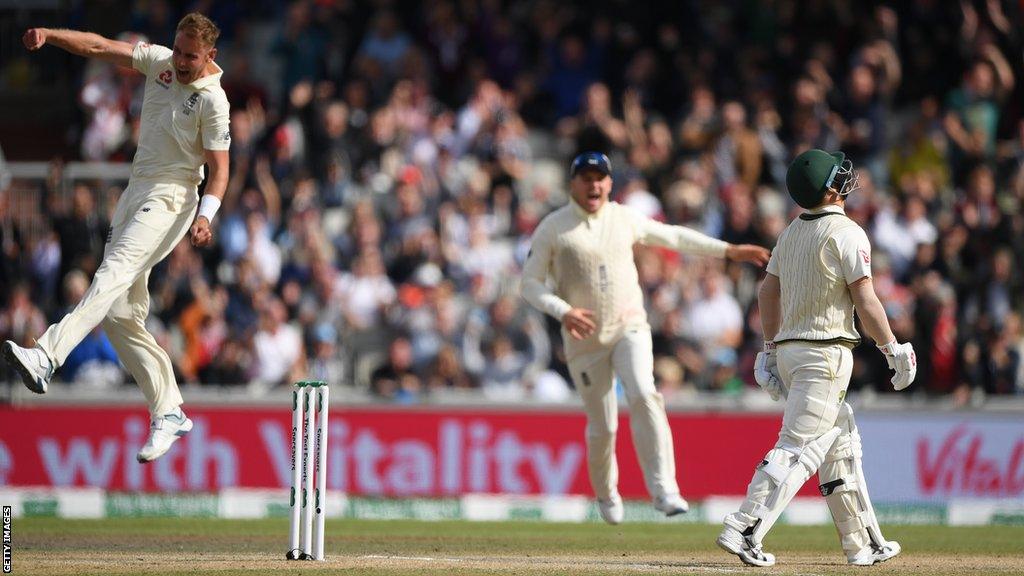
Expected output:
(391, 159)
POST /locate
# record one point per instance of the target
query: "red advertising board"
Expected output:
(389, 452)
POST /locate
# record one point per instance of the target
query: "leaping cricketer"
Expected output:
(586, 248)
(184, 124)
(819, 272)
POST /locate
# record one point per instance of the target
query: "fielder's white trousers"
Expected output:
(632, 359)
(149, 221)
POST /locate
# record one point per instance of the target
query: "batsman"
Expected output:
(819, 273)
(586, 249)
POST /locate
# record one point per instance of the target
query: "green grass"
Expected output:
(226, 547)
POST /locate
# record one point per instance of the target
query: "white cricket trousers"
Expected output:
(150, 219)
(816, 376)
(632, 359)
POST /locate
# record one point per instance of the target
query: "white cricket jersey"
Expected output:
(818, 255)
(178, 121)
(589, 257)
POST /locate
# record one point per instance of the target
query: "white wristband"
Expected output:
(208, 207)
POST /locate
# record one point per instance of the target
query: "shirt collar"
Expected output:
(831, 208)
(583, 214)
(205, 81)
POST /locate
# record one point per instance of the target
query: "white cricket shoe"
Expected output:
(875, 554)
(163, 432)
(734, 542)
(671, 504)
(32, 364)
(612, 509)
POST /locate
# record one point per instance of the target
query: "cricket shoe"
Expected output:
(32, 364)
(611, 509)
(875, 554)
(734, 542)
(671, 504)
(163, 432)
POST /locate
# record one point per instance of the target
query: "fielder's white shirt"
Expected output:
(818, 255)
(589, 258)
(178, 121)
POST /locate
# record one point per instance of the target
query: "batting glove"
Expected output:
(766, 371)
(903, 361)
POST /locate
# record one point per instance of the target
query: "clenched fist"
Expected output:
(34, 38)
(201, 233)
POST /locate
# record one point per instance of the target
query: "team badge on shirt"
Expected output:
(190, 104)
(865, 256)
(164, 79)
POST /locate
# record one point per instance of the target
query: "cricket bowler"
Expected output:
(184, 124)
(586, 249)
(819, 273)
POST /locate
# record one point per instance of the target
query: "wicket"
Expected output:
(309, 458)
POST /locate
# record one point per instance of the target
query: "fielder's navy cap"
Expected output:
(594, 160)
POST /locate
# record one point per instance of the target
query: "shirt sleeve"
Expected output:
(145, 55)
(679, 238)
(535, 289)
(854, 253)
(215, 122)
(773, 265)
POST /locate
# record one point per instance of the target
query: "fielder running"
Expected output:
(184, 125)
(819, 272)
(586, 247)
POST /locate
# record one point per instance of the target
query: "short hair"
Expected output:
(199, 27)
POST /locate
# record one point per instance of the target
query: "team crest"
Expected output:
(164, 79)
(190, 104)
(865, 256)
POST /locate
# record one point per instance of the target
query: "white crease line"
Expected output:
(600, 564)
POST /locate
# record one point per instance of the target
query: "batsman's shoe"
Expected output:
(875, 554)
(32, 364)
(734, 542)
(671, 504)
(612, 509)
(163, 432)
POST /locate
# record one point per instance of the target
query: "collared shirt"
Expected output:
(589, 258)
(179, 121)
(817, 257)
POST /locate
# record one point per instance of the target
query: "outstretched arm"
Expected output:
(84, 44)
(689, 241)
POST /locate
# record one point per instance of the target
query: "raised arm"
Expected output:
(688, 241)
(84, 44)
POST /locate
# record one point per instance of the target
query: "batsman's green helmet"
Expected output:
(810, 174)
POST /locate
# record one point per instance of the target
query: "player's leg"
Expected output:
(593, 380)
(149, 364)
(633, 362)
(817, 378)
(846, 492)
(38, 364)
(131, 251)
